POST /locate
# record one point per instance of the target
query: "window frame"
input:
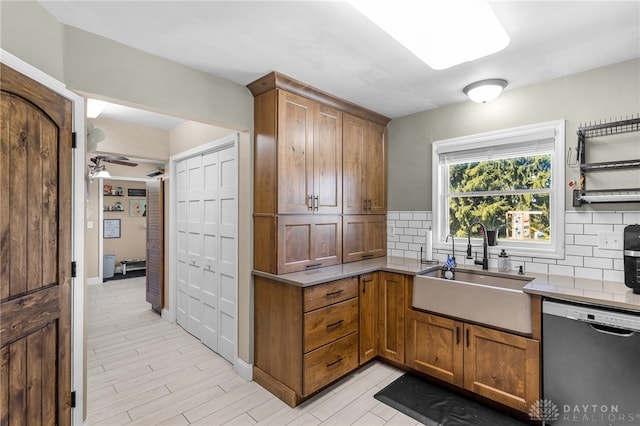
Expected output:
(503, 138)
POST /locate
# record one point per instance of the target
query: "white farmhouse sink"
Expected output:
(491, 299)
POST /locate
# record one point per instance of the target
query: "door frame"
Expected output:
(170, 314)
(78, 284)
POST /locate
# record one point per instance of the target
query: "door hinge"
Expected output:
(72, 399)
(73, 269)
(74, 143)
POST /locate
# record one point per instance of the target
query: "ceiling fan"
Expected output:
(98, 168)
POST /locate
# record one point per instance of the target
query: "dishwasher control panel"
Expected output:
(593, 315)
(612, 319)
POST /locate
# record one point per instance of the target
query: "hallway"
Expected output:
(142, 370)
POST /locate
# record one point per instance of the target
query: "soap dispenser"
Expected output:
(503, 262)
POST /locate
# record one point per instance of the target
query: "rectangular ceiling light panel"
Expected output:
(442, 33)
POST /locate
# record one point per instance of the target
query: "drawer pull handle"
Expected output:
(335, 362)
(334, 293)
(335, 324)
(313, 265)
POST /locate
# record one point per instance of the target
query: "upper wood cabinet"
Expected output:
(365, 166)
(363, 237)
(309, 152)
(299, 170)
(298, 167)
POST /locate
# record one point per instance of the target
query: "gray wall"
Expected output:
(603, 93)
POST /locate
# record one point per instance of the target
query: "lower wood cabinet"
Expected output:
(305, 338)
(368, 331)
(500, 366)
(391, 312)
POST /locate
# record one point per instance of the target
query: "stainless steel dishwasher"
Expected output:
(591, 365)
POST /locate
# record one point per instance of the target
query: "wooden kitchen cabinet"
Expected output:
(308, 241)
(365, 166)
(434, 346)
(368, 331)
(309, 151)
(305, 338)
(364, 237)
(500, 366)
(391, 313)
(299, 169)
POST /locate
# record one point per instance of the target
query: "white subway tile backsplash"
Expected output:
(561, 270)
(590, 274)
(583, 258)
(599, 262)
(585, 240)
(631, 218)
(420, 216)
(594, 229)
(578, 217)
(578, 250)
(571, 260)
(614, 276)
(574, 228)
(608, 218)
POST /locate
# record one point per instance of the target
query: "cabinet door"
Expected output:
(354, 136)
(368, 332)
(502, 366)
(327, 161)
(308, 241)
(364, 237)
(391, 310)
(375, 165)
(295, 153)
(434, 346)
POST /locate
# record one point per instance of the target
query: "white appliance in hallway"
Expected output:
(206, 269)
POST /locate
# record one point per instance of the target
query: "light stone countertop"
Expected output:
(597, 292)
(603, 293)
(329, 273)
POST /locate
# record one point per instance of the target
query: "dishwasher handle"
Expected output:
(618, 332)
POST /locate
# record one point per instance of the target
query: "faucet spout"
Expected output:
(485, 258)
(453, 246)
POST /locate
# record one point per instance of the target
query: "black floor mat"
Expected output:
(435, 406)
(132, 274)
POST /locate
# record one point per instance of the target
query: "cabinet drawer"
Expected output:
(327, 294)
(330, 362)
(325, 325)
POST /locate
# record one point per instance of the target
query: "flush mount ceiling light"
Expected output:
(485, 90)
(441, 33)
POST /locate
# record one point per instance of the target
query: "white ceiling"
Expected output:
(330, 46)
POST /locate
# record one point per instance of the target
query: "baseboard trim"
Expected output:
(94, 280)
(244, 370)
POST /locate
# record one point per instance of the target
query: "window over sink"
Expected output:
(510, 180)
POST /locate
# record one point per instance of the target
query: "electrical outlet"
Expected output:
(610, 240)
(90, 224)
(391, 231)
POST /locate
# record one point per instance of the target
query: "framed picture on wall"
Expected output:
(111, 228)
(138, 207)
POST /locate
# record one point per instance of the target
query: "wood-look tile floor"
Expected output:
(142, 370)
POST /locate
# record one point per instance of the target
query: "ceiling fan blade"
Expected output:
(120, 162)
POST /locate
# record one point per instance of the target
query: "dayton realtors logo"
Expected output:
(546, 410)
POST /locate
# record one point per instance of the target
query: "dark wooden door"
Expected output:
(35, 241)
(155, 244)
